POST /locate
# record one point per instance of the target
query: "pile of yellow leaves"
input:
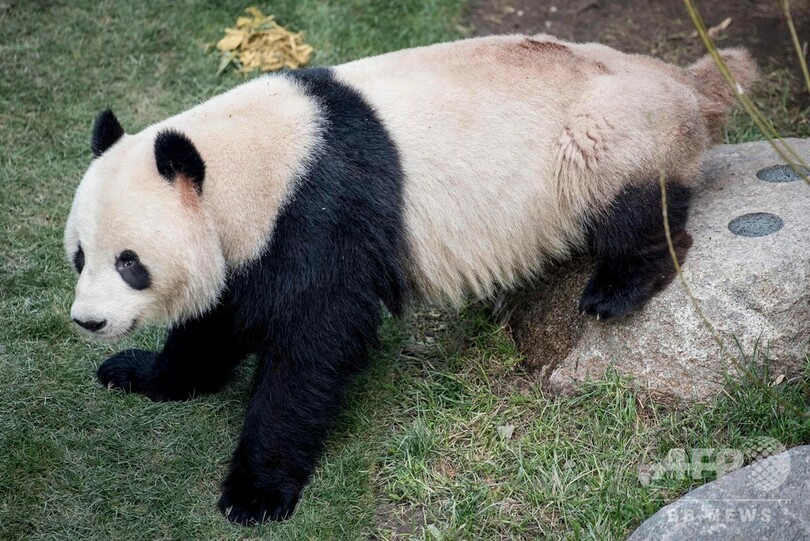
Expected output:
(258, 42)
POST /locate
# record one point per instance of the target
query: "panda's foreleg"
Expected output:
(629, 242)
(314, 350)
(198, 357)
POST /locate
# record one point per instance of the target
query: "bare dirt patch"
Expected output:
(544, 346)
(398, 521)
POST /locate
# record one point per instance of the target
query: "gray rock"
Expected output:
(753, 286)
(767, 500)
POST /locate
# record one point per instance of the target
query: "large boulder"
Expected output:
(749, 270)
(764, 501)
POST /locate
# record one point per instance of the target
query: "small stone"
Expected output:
(506, 431)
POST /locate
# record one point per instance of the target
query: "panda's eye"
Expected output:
(132, 271)
(78, 259)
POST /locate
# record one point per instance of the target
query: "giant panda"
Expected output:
(282, 217)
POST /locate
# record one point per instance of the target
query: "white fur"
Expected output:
(479, 123)
(121, 206)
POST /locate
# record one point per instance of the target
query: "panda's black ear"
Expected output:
(176, 155)
(106, 132)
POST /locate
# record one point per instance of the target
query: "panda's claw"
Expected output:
(249, 506)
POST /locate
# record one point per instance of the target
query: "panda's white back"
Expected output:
(490, 133)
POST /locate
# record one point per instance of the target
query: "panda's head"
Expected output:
(138, 234)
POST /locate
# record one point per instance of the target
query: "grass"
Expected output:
(445, 438)
(570, 469)
(778, 94)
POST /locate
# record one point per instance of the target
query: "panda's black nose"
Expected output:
(91, 325)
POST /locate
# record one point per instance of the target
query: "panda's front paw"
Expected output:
(244, 503)
(131, 371)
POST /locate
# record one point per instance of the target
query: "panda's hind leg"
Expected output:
(623, 133)
(628, 240)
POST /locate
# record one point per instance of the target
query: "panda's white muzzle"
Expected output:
(105, 307)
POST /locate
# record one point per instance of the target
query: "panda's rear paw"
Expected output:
(608, 299)
(247, 505)
(620, 287)
(603, 305)
(131, 371)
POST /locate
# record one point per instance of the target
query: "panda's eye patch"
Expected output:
(132, 270)
(78, 259)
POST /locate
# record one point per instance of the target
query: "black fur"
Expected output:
(309, 307)
(197, 358)
(176, 155)
(132, 271)
(632, 257)
(78, 260)
(106, 132)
